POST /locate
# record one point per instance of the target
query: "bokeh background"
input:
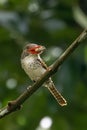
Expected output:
(54, 24)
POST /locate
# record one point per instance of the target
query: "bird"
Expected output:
(34, 66)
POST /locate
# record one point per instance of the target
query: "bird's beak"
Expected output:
(40, 48)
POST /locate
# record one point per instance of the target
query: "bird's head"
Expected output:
(32, 48)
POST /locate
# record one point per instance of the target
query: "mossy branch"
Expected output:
(14, 105)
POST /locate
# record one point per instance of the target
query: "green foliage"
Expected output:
(52, 24)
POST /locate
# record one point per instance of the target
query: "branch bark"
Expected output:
(14, 105)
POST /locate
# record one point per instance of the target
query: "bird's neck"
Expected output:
(34, 56)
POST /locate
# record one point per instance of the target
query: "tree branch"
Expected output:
(16, 104)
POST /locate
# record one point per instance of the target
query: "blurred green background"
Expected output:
(54, 24)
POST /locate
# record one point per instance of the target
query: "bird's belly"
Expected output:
(33, 69)
(36, 73)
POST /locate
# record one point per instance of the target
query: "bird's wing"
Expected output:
(42, 63)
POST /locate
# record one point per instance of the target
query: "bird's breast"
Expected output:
(33, 68)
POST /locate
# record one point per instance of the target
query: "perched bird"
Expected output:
(35, 67)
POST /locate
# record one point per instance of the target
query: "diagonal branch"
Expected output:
(16, 104)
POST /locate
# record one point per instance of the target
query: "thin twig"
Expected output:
(15, 104)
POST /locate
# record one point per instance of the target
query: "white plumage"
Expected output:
(32, 67)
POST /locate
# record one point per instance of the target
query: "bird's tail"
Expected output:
(51, 87)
